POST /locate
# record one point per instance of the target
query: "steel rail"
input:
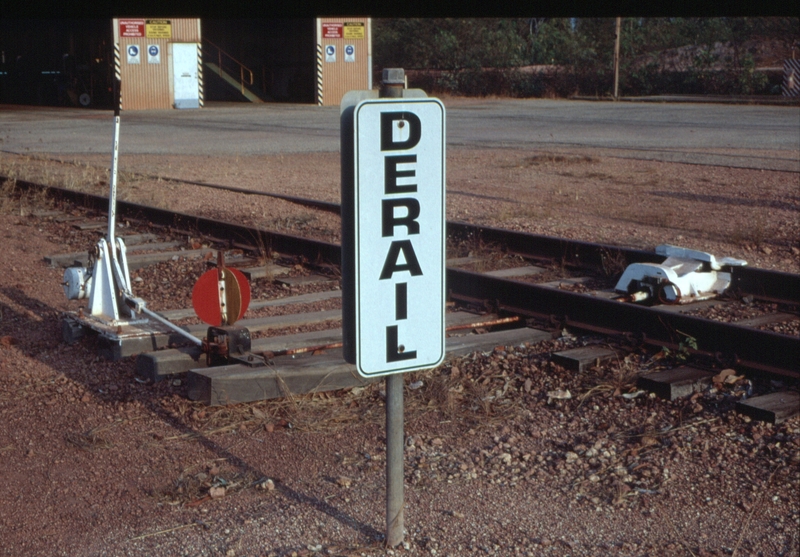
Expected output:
(315, 251)
(747, 347)
(735, 344)
(763, 284)
(772, 286)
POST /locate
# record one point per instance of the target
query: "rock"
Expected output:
(571, 457)
(266, 484)
(344, 481)
(558, 394)
(216, 492)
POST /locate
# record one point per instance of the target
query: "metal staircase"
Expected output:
(227, 67)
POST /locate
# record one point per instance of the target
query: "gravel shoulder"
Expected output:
(97, 463)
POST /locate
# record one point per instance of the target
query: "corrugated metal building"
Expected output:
(158, 62)
(161, 62)
(344, 57)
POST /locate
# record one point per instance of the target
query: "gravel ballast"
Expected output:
(499, 461)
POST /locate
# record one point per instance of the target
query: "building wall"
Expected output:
(149, 85)
(336, 74)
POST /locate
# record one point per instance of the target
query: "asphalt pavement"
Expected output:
(745, 135)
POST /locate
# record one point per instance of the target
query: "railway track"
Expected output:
(544, 287)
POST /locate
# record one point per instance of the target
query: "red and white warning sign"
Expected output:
(331, 30)
(131, 28)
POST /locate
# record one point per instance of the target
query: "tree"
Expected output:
(448, 44)
(556, 41)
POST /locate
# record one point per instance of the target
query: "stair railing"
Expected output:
(221, 56)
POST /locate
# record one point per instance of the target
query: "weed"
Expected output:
(556, 158)
(599, 176)
(264, 254)
(614, 263)
(750, 232)
(297, 222)
(472, 245)
(661, 219)
(518, 211)
(8, 195)
(683, 352)
(622, 378)
(444, 392)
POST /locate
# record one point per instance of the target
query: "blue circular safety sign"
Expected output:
(133, 50)
(349, 50)
(330, 50)
(153, 50)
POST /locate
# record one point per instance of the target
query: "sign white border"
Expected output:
(153, 58)
(330, 53)
(424, 329)
(134, 53)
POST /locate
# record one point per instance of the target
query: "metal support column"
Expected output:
(395, 517)
(393, 82)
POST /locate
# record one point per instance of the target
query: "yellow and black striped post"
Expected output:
(200, 74)
(319, 74)
(118, 76)
(791, 78)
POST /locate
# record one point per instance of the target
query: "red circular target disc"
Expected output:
(206, 299)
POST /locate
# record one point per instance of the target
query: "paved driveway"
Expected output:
(737, 135)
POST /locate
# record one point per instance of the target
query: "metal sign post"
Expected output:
(393, 250)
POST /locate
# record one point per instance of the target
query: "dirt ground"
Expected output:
(498, 460)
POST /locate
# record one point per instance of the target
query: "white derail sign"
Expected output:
(397, 215)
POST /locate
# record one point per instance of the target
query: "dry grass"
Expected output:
(8, 196)
(614, 263)
(663, 217)
(314, 412)
(15, 200)
(506, 212)
(752, 232)
(192, 488)
(88, 440)
(91, 440)
(557, 158)
(474, 246)
(621, 378)
(453, 394)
